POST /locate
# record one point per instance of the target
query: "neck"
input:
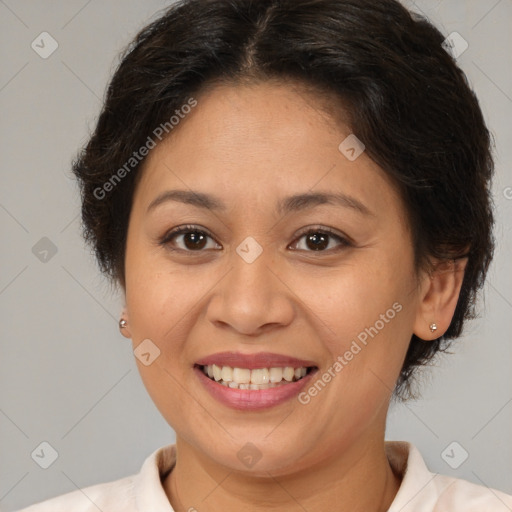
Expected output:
(355, 480)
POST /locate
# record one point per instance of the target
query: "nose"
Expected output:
(252, 298)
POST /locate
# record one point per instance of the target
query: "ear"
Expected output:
(125, 331)
(440, 289)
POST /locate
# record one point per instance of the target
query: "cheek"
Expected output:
(363, 321)
(365, 315)
(158, 295)
(160, 305)
(162, 308)
(354, 297)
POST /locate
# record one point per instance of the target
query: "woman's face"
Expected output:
(257, 272)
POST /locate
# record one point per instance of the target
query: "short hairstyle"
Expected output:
(403, 94)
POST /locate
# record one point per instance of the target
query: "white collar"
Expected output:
(420, 490)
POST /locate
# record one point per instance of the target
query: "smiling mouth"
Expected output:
(256, 378)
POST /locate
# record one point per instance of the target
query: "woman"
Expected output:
(294, 198)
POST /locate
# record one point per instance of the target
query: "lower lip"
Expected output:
(251, 399)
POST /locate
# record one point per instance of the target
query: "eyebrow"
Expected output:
(198, 199)
(289, 204)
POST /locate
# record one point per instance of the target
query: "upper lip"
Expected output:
(252, 361)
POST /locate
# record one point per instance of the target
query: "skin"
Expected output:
(251, 146)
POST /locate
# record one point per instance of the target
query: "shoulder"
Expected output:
(424, 491)
(111, 496)
(459, 494)
(142, 491)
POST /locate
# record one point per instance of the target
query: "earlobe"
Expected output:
(124, 326)
(438, 298)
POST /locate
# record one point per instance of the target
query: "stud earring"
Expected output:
(122, 323)
(433, 327)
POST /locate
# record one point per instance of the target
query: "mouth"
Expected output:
(255, 378)
(253, 381)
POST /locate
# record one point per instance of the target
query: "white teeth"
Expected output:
(288, 373)
(227, 374)
(242, 375)
(258, 378)
(217, 372)
(276, 374)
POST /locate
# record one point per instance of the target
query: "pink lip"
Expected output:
(252, 399)
(252, 361)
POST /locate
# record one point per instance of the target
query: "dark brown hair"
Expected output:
(405, 96)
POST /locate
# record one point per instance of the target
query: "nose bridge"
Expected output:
(250, 274)
(251, 295)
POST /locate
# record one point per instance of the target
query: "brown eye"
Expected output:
(317, 241)
(320, 240)
(189, 239)
(194, 240)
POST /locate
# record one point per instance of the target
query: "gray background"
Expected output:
(67, 375)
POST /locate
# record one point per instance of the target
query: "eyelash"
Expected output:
(190, 228)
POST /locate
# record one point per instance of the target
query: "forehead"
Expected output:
(261, 141)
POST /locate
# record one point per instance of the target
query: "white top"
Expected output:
(420, 491)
